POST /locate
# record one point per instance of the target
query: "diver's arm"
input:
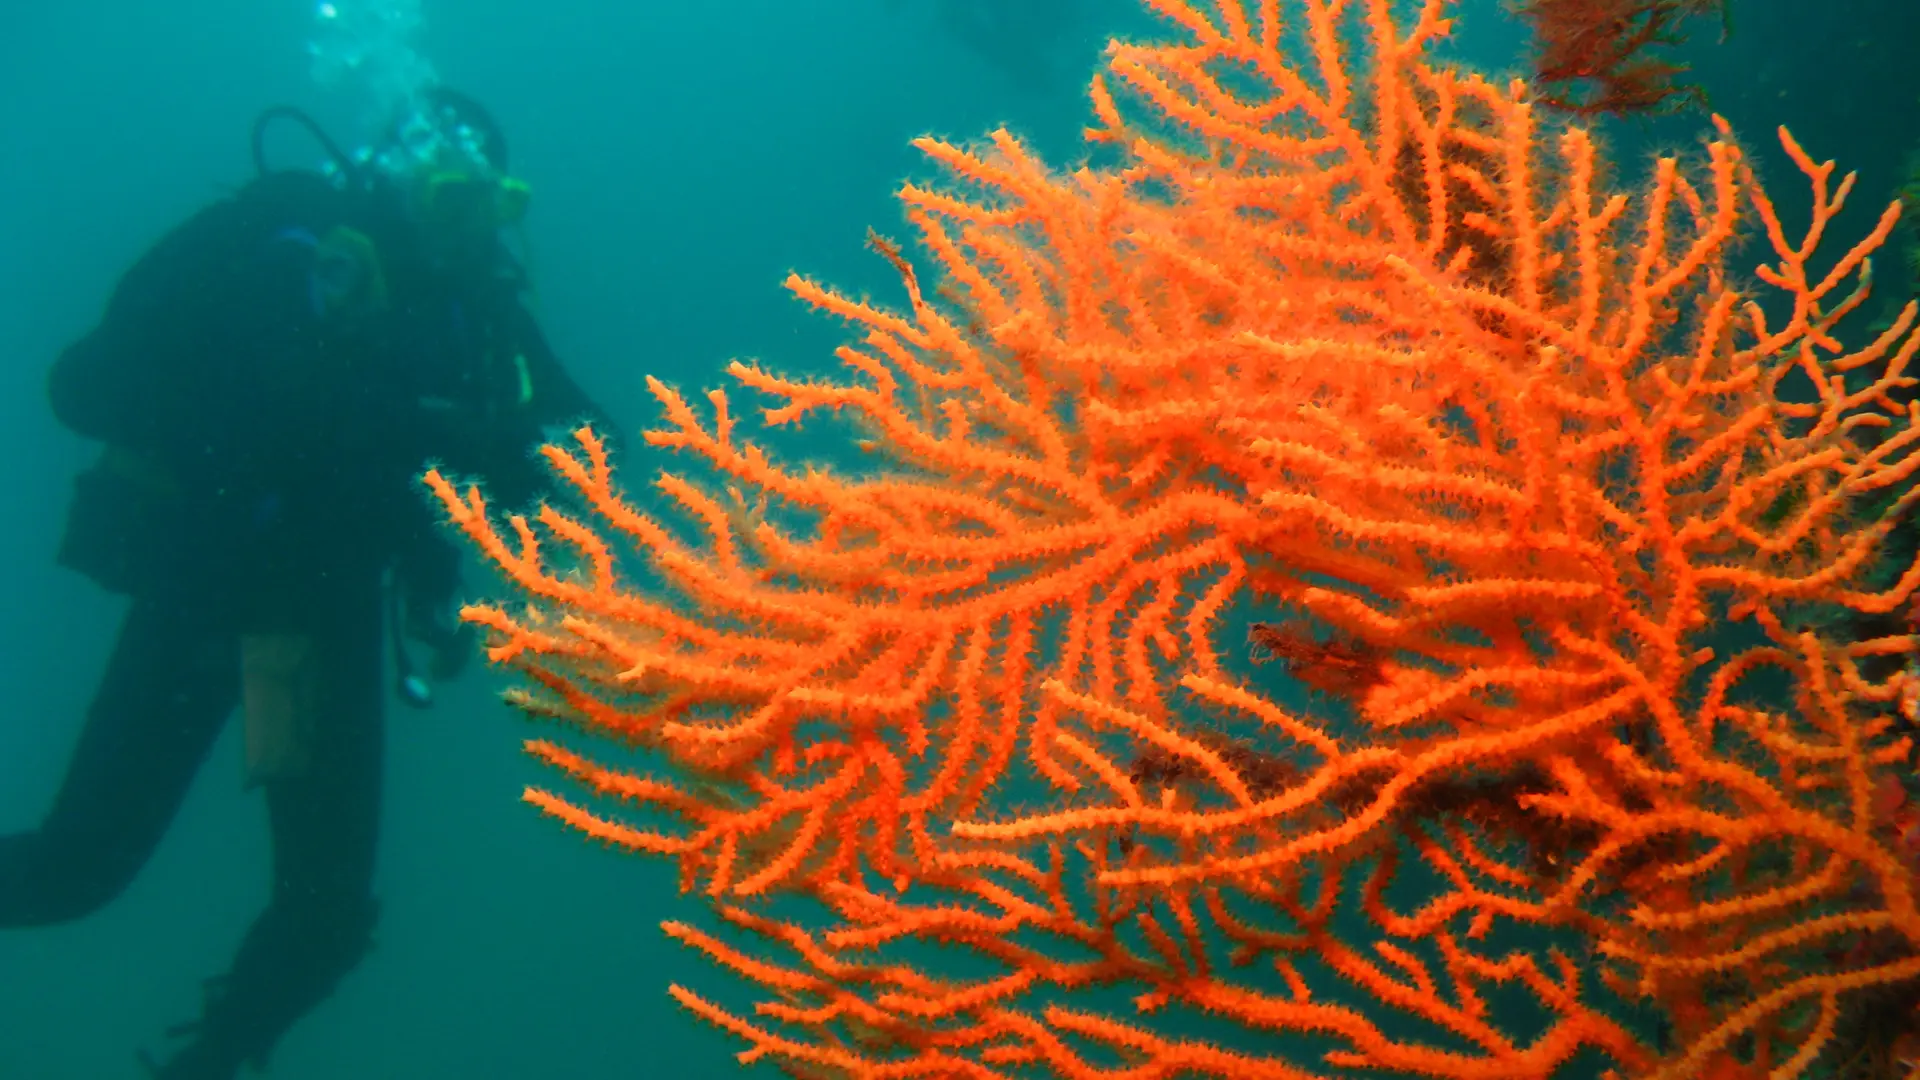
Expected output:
(552, 406)
(194, 340)
(99, 391)
(130, 381)
(558, 400)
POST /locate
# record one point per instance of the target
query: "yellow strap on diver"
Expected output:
(365, 284)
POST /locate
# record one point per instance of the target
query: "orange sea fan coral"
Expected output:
(1557, 513)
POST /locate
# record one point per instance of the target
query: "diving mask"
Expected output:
(450, 155)
(461, 197)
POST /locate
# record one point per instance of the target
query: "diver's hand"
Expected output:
(450, 643)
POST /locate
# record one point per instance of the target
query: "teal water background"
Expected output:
(684, 157)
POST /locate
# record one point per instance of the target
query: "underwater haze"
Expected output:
(683, 158)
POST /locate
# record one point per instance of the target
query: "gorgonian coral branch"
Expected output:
(1565, 546)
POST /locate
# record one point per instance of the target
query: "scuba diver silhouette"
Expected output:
(268, 381)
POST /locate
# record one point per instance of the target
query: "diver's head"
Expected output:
(447, 159)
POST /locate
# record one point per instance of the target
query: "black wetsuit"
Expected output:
(262, 476)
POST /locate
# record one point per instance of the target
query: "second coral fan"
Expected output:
(1562, 537)
(1604, 56)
